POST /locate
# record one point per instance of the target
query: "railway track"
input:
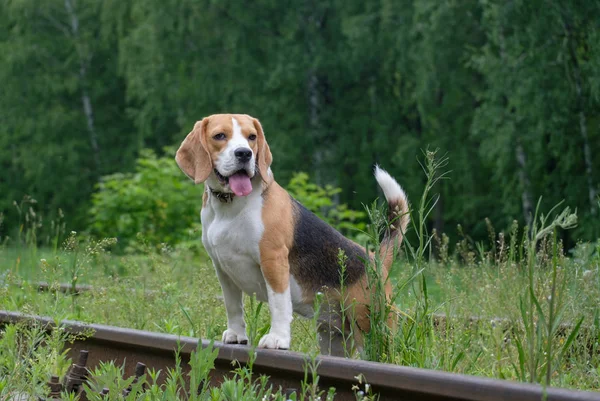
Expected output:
(286, 369)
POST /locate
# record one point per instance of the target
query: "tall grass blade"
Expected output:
(571, 337)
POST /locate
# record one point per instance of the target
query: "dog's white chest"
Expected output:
(231, 234)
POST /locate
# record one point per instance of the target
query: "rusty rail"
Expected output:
(44, 286)
(286, 369)
(69, 289)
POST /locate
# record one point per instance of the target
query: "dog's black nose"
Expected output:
(243, 154)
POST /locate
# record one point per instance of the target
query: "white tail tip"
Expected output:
(391, 189)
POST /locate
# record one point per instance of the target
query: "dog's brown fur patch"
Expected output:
(277, 237)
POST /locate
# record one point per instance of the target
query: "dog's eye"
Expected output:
(220, 136)
(252, 137)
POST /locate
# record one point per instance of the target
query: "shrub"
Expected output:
(157, 200)
(319, 200)
(161, 204)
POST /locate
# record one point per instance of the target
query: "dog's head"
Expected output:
(228, 150)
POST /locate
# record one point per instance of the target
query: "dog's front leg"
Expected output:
(234, 305)
(276, 271)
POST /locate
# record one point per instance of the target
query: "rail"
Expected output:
(286, 368)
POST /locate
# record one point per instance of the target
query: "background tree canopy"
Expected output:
(510, 90)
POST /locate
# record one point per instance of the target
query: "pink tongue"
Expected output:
(240, 184)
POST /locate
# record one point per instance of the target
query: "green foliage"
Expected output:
(28, 357)
(160, 203)
(536, 128)
(62, 107)
(539, 353)
(320, 200)
(510, 93)
(157, 200)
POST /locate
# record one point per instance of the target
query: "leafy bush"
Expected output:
(157, 200)
(319, 200)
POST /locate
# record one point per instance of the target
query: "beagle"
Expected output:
(264, 242)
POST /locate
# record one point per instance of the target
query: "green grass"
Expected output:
(536, 306)
(178, 292)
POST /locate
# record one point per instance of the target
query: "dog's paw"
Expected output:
(274, 341)
(231, 337)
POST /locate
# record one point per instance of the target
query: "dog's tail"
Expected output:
(398, 215)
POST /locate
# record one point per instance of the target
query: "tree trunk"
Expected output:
(313, 27)
(525, 183)
(587, 157)
(526, 199)
(314, 122)
(587, 154)
(86, 102)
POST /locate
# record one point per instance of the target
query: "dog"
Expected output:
(264, 242)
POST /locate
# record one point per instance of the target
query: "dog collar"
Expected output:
(224, 197)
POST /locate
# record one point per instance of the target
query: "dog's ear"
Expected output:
(265, 158)
(192, 156)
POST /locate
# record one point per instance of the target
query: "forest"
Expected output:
(507, 90)
(487, 112)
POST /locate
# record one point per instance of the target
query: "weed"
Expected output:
(415, 332)
(378, 341)
(541, 315)
(28, 357)
(310, 385)
(363, 390)
(241, 386)
(347, 309)
(255, 329)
